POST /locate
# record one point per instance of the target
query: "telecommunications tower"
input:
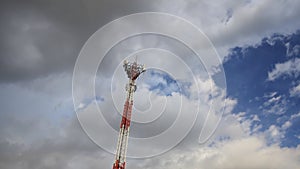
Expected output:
(133, 71)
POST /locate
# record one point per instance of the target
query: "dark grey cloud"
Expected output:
(39, 130)
(42, 37)
(55, 151)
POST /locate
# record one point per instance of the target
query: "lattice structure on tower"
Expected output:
(133, 71)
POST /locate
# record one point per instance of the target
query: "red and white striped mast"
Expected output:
(133, 71)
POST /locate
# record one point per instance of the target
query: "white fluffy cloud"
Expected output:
(230, 23)
(288, 68)
(295, 91)
(247, 153)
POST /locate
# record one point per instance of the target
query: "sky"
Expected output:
(241, 110)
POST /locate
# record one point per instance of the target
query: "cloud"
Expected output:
(292, 51)
(295, 116)
(275, 104)
(289, 68)
(65, 146)
(251, 152)
(258, 18)
(295, 91)
(39, 128)
(237, 23)
(274, 134)
(286, 125)
(37, 40)
(41, 38)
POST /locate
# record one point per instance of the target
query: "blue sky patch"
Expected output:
(248, 71)
(163, 84)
